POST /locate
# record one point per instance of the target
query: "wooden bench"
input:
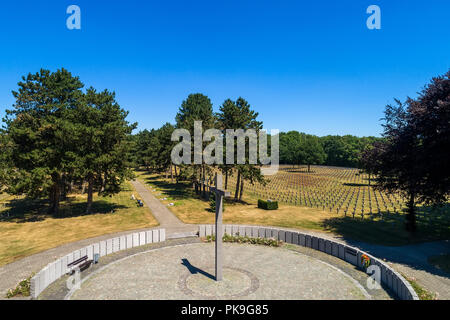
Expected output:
(82, 263)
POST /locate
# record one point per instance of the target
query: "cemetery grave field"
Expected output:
(344, 191)
(326, 187)
(29, 229)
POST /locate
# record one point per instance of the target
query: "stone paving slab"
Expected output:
(165, 274)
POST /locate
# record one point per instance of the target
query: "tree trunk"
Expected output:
(226, 179)
(410, 223)
(171, 174)
(102, 186)
(83, 186)
(55, 195)
(203, 181)
(90, 195)
(51, 199)
(63, 187)
(369, 179)
(236, 193)
(56, 200)
(176, 174)
(242, 189)
(309, 167)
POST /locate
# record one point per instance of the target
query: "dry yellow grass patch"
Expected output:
(196, 211)
(20, 239)
(190, 209)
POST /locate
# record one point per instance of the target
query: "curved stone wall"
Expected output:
(389, 277)
(53, 271)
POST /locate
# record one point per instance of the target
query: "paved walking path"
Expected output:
(164, 216)
(410, 260)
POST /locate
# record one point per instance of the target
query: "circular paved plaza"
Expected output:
(250, 272)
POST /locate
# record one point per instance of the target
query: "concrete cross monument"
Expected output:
(219, 229)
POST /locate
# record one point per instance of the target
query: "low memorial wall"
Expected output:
(389, 277)
(58, 268)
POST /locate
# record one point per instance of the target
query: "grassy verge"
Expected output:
(29, 230)
(421, 292)
(189, 208)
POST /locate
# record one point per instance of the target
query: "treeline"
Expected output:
(298, 148)
(153, 148)
(57, 138)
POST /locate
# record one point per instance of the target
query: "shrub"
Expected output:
(267, 205)
(212, 204)
(272, 242)
(23, 288)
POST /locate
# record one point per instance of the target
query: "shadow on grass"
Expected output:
(182, 190)
(299, 170)
(34, 210)
(355, 184)
(389, 228)
(387, 237)
(177, 191)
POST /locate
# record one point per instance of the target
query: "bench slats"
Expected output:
(77, 261)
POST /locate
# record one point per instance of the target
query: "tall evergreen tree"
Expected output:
(37, 129)
(103, 144)
(238, 115)
(197, 107)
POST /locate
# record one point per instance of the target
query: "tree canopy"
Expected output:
(413, 159)
(56, 135)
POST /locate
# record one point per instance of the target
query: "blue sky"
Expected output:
(311, 66)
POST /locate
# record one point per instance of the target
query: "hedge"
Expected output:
(267, 205)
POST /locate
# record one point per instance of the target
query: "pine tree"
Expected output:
(238, 115)
(103, 144)
(37, 130)
(197, 107)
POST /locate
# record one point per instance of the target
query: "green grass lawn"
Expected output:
(28, 229)
(390, 230)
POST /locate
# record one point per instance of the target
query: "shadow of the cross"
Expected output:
(195, 270)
